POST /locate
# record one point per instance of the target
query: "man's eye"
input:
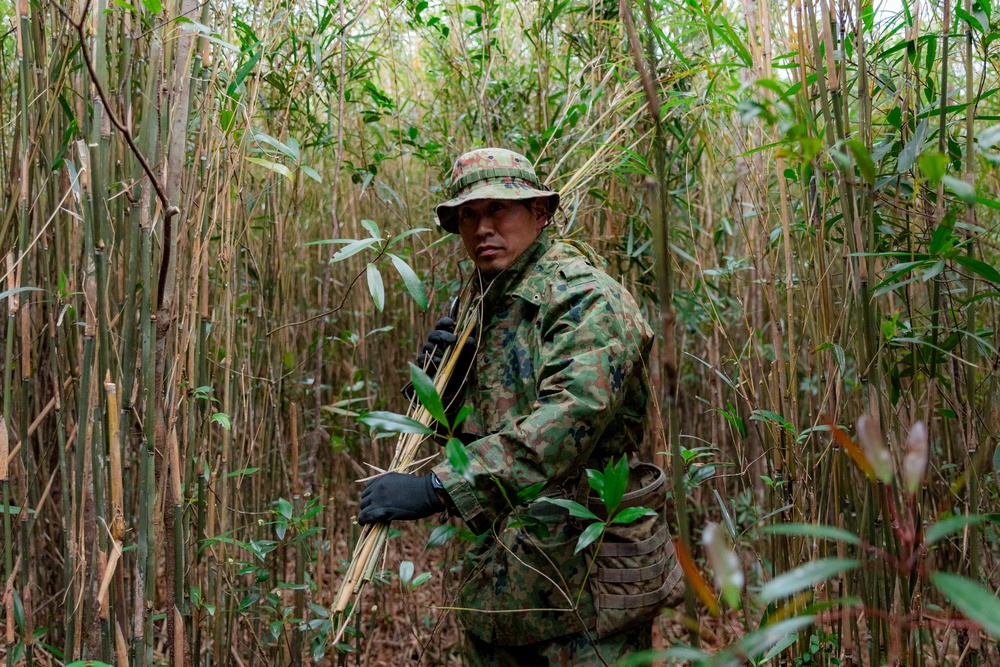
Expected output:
(496, 207)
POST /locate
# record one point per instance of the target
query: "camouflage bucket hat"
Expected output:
(491, 173)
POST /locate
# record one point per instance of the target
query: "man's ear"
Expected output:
(541, 210)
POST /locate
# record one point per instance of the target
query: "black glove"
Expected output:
(438, 341)
(398, 496)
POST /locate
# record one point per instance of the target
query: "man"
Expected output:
(557, 386)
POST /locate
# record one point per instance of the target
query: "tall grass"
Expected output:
(809, 219)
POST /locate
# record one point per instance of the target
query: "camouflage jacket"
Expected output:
(558, 385)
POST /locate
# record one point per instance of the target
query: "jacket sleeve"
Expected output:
(590, 343)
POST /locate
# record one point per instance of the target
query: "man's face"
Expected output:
(497, 231)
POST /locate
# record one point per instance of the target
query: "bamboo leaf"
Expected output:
(423, 385)
(908, 155)
(964, 191)
(765, 638)
(153, 6)
(375, 286)
(352, 248)
(18, 290)
(393, 423)
(273, 166)
(311, 173)
(411, 281)
(863, 159)
(946, 527)
(805, 576)
(979, 267)
(989, 137)
(977, 603)
(809, 530)
(222, 419)
(408, 232)
(934, 166)
(372, 229)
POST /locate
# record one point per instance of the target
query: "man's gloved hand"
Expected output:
(398, 496)
(438, 341)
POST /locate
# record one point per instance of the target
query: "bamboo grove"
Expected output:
(219, 249)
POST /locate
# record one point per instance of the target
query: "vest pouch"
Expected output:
(635, 571)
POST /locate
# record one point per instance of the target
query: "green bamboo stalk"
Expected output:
(27, 605)
(972, 348)
(8, 559)
(8, 556)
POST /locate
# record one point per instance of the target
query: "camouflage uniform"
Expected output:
(557, 386)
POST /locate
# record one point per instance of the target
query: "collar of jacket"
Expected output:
(509, 281)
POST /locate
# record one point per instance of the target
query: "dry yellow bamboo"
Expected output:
(115, 461)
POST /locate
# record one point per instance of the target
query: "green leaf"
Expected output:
(945, 527)
(285, 149)
(353, 248)
(458, 458)
(18, 290)
(222, 419)
(596, 481)
(988, 138)
(463, 412)
(934, 166)
(421, 578)
(375, 286)
(284, 508)
(423, 385)
(908, 155)
(809, 530)
(615, 483)
(964, 191)
(977, 603)
(153, 6)
(765, 638)
(408, 232)
(406, 572)
(941, 239)
(979, 267)
(805, 576)
(969, 18)
(630, 514)
(589, 534)
(372, 228)
(13, 510)
(393, 423)
(441, 535)
(863, 159)
(311, 173)
(575, 508)
(413, 284)
(530, 493)
(273, 166)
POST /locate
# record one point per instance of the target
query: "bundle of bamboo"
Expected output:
(371, 546)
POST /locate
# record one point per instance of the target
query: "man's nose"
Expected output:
(485, 226)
